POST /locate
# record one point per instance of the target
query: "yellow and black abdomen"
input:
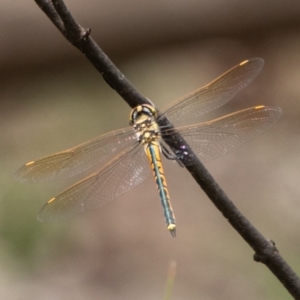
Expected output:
(152, 150)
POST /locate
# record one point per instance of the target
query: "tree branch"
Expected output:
(265, 251)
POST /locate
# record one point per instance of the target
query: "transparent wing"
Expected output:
(213, 139)
(216, 93)
(78, 159)
(120, 175)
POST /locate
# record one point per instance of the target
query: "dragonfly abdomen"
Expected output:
(152, 150)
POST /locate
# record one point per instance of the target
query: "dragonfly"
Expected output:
(124, 155)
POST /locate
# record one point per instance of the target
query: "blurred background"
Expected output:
(52, 99)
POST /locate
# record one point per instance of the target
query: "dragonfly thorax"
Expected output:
(143, 120)
(147, 130)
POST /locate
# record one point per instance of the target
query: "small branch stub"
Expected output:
(267, 253)
(85, 33)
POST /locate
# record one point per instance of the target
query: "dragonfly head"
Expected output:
(143, 110)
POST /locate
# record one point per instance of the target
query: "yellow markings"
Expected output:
(30, 163)
(243, 62)
(171, 227)
(160, 170)
(51, 200)
(147, 136)
(259, 107)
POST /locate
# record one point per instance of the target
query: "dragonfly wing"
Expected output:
(216, 138)
(78, 159)
(216, 93)
(120, 175)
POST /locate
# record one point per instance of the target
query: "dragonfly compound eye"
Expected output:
(144, 109)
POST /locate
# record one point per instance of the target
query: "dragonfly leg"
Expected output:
(170, 155)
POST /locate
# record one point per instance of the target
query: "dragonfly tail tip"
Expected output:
(173, 233)
(172, 229)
